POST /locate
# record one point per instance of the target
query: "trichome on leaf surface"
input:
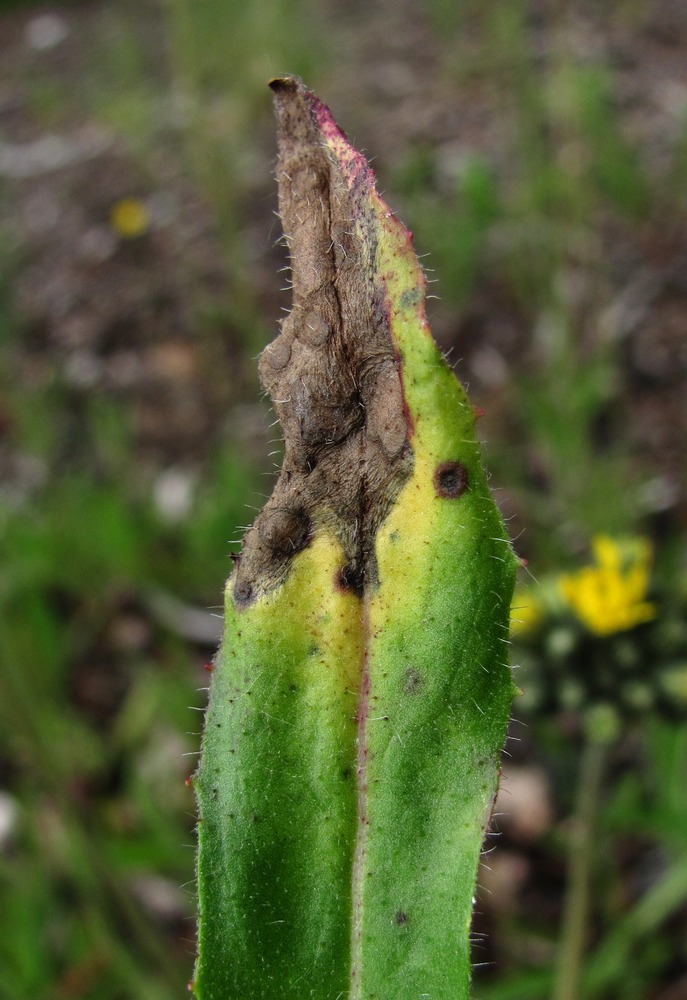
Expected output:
(360, 698)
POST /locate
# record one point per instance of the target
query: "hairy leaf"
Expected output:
(361, 694)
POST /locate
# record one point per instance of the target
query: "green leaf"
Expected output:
(360, 698)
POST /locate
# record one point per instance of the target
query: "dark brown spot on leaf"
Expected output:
(243, 593)
(351, 578)
(451, 480)
(401, 918)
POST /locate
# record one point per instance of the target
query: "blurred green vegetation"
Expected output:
(99, 706)
(98, 693)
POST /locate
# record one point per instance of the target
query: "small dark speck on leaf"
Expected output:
(401, 918)
(351, 578)
(451, 480)
(413, 681)
(243, 593)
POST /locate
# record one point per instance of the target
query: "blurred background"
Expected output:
(538, 149)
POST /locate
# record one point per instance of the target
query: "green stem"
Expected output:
(575, 920)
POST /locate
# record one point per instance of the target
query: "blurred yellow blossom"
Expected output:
(130, 217)
(526, 612)
(610, 596)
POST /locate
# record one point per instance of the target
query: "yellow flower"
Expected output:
(130, 218)
(610, 596)
(526, 613)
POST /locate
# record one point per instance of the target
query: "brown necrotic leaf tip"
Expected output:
(332, 372)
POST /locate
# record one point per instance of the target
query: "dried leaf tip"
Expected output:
(333, 372)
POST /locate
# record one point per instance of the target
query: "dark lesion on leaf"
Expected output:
(332, 373)
(451, 480)
(413, 681)
(351, 579)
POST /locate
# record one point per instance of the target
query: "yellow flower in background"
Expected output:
(526, 613)
(610, 596)
(130, 217)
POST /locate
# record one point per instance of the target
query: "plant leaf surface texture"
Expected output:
(360, 698)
